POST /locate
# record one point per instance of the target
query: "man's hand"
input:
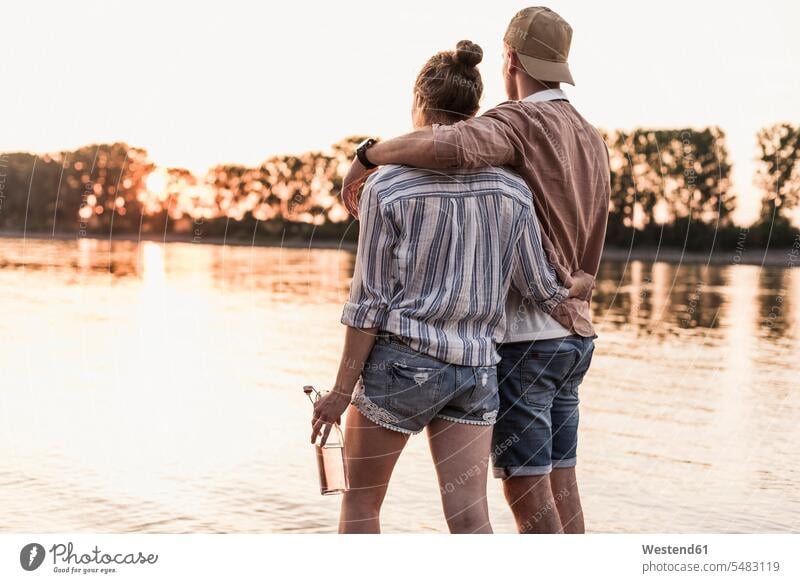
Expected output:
(327, 411)
(414, 149)
(582, 285)
(352, 183)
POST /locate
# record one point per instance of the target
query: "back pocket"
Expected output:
(542, 375)
(414, 390)
(581, 368)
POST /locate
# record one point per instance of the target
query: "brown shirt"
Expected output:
(564, 161)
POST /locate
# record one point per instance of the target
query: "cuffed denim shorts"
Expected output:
(537, 426)
(405, 390)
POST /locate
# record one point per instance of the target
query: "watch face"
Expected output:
(365, 144)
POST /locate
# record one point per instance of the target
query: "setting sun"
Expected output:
(156, 182)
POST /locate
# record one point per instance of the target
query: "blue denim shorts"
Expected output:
(405, 390)
(537, 426)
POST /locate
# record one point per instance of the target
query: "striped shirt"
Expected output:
(437, 254)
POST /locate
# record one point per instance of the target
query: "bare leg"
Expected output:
(565, 491)
(461, 456)
(371, 452)
(531, 501)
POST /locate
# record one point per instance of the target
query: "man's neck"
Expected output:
(527, 86)
(442, 119)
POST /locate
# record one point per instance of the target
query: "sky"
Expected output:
(199, 83)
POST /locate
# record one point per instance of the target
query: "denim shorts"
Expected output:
(537, 426)
(404, 390)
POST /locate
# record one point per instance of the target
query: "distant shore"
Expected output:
(185, 238)
(771, 257)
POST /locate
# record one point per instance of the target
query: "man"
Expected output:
(544, 358)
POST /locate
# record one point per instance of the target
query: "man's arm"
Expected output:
(488, 140)
(414, 149)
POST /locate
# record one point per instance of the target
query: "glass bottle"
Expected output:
(330, 457)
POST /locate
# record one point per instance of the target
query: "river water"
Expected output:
(151, 387)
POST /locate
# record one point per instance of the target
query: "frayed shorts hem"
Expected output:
(384, 424)
(465, 421)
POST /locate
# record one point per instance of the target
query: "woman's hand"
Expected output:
(327, 411)
(352, 183)
(582, 285)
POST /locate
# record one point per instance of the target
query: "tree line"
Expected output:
(670, 188)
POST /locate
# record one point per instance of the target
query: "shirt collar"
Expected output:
(546, 95)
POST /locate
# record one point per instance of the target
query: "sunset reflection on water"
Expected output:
(156, 388)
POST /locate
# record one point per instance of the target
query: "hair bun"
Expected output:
(468, 53)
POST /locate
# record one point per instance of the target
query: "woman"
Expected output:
(437, 254)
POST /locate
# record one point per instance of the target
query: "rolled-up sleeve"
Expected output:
(488, 140)
(533, 276)
(374, 273)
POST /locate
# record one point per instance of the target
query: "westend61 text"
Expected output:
(671, 550)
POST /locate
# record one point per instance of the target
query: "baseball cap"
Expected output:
(541, 39)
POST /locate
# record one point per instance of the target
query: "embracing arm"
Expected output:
(534, 276)
(414, 149)
(488, 140)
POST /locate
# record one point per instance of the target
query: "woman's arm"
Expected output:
(534, 276)
(366, 310)
(373, 277)
(358, 344)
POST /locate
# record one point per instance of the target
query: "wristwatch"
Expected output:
(361, 153)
